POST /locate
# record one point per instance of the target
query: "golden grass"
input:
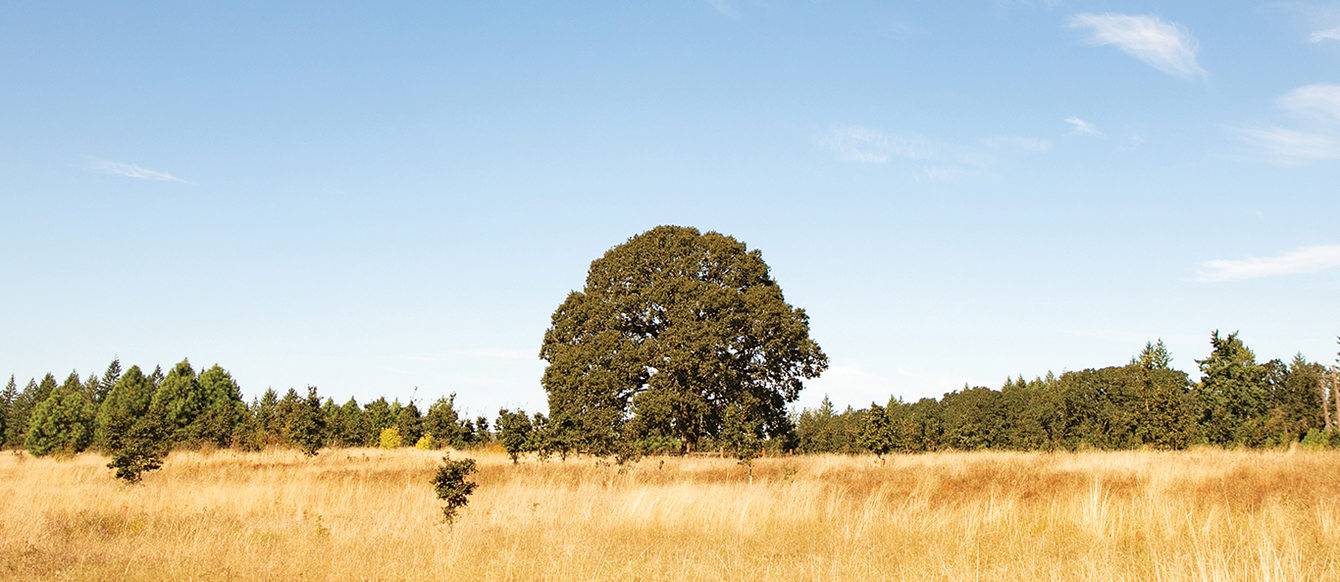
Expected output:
(371, 514)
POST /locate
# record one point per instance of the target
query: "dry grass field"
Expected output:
(371, 514)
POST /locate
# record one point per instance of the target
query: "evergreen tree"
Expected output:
(444, 423)
(379, 417)
(126, 403)
(108, 381)
(20, 409)
(267, 425)
(63, 423)
(156, 378)
(178, 402)
(878, 434)
(306, 424)
(1233, 392)
(141, 449)
(222, 411)
(410, 422)
(351, 430)
(6, 404)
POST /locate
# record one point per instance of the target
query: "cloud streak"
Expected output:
(133, 171)
(1317, 138)
(1166, 46)
(1328, 34)
(863, 145)
(1080, 127)
(1302, 260)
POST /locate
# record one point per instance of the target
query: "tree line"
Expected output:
(1146, 403)
(183, 408)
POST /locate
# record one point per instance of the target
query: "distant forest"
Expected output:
(1142, 404)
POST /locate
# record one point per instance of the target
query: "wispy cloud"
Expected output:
(725, 9)
(1301, 260)
(854, 143)
(1080, 127)
(133, 171)
(1328, 34)
(931, 159)
(1320, 102)
(1315, 138)
(1166, 46)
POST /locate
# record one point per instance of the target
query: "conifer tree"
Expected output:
(223, 409)
(63, 423)
(6, 403)
(443, 422)
(108, 381)
(1233, 392)
(126, 403)
(177, 403)
(306, 424)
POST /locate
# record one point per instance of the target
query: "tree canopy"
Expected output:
(672, 329)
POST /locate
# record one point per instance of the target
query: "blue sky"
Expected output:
(370, 197)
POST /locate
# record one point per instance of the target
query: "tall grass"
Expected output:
(371, 514)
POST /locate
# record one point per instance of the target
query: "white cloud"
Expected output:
(1292, 147)
(853, 143)
(1166, 46)
(1301, 260)
(1320, 102)
(1329, 34)
(1317, 139)
(133, 171)
(1080, 127)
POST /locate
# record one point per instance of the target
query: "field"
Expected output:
(371, 514)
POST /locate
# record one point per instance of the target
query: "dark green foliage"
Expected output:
(142, 449)
(444, 424)
(452, 485)
(21, 409)
(742, 434)
(177, 402)
(514, 430)
(108, 381)
(1233, 392)
(6, 405)
(305, 423)
(350, 429)
(410, 423)
(63, 423)
(379, 417)
(878, 435)
(125, 404)
(675, 326)
(222, 412)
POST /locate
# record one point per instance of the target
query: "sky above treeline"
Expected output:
(373, 197)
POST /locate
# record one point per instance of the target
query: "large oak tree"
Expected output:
(673, 329)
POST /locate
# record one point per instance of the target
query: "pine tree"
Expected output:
(223, 409)
(1233, 393)
(108, 381)
(306, 424)
(63, 423)
(6, 404)
(177, 403)
(126, 403)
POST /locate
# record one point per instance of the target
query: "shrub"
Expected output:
(390, 438)
(426, 442)
(452, 486)
(1314, 439)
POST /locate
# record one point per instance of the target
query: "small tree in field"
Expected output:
(514, 429)
(142, 449)
(452, 487)
(390, 438)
